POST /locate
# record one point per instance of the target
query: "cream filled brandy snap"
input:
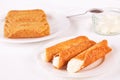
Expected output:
(88, 56)
(61, 58)
(53, 50)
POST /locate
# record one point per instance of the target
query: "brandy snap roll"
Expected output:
(53, 50)
(88, 56)
(26, 24)
(61, 58)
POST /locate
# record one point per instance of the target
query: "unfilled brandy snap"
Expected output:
(26, 24)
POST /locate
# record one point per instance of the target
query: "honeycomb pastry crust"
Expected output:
(26, 24)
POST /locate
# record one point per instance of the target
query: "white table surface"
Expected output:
(18, 61)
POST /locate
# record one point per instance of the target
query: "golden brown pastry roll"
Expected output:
(88, 56)
(61, 58)
(26, 24)
(53, 50)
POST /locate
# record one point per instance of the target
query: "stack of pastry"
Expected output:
(76, 53)
(26, 24)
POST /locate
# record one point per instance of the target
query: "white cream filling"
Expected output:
(108, 23)
(74, 65)
(55, 61)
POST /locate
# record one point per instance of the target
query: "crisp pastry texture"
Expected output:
(61, 58)
(53, 50)
(88, 56)
(26, 24)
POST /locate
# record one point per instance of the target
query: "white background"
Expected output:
(18, 61)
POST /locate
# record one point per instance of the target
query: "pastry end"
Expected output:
(74, 65)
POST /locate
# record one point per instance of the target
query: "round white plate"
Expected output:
(58, 23)
(101, 66)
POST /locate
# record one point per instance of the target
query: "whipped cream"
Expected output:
(107, 23)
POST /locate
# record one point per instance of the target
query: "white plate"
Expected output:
(58, 23)
(101, 66)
